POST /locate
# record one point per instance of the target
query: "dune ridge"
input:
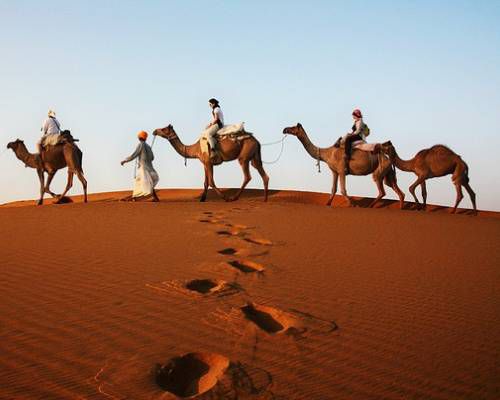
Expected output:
(293, 196)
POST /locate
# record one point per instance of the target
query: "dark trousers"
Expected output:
(349, 140)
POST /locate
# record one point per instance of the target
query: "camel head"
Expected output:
(168, 132)
(296, 130)
(388, 148)
(15, 144)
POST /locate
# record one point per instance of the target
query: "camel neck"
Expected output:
(186, 151)
(26, 157)
(403, 165)
(313, 150)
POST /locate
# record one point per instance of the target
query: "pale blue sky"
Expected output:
(423, 72)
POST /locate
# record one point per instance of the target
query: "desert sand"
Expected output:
(247, 300)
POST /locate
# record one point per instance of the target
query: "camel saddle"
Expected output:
(62, 138)
(233, 132)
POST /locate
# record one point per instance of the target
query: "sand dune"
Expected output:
(247, 300)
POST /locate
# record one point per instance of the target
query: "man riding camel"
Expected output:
(357, 138)
(215, 124)
(51, 128)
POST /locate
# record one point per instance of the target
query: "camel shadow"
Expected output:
(64, 200)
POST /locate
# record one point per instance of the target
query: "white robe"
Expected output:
(146, 177)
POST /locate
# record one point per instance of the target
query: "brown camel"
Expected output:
(434, 162)
(53, 159)
(246, 150)
(361, 163)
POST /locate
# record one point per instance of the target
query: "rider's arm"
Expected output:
(359, 126)
(44, 127)
(215, 117)
(134, 155)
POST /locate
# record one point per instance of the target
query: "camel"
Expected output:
(361, 163)
(53, 158)
(246, 150)
(434, 162)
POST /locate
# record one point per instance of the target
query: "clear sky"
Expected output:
(423, 72)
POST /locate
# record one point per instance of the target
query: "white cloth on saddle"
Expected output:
(362, 145)
(231, 129)
(50, 139)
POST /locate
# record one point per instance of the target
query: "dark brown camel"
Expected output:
(54, 158)
(245, 150)
(361, 163)
(434, 162)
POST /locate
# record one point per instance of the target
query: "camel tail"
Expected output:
(80, 159)
(390, 179)
(258, 154)
(461, 171)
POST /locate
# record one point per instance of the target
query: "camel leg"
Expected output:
(472, 195)
(42, 186)
(424, 194)
(205, 190)
(391, 181)
(460, 196)
(82, 179)
(68, 186)
(381, 191)
(49, 181)
(335, 177)
(245, 166)
(419, 180)
(257, 164)
(343, 189)
(211, 181)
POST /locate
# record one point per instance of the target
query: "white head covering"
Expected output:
(51, 113)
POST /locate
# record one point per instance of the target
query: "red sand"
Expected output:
(307, 302)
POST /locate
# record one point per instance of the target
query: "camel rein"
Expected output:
(318, 163)
(282, 141)
(172, 137)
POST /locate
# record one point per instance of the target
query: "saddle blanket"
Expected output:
(362, 145)
(231, 129)
(50, 140)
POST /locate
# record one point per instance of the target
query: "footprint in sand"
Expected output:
(247, 266)
(230, 232)
(294, 323)
(274, 322)
(228, 251)
(204, 286)
(259, 241)
(191, 374)
(213, 376)
(231, 251)
(237, 226)
(198, 287)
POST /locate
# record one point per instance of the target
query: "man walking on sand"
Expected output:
(146, 178)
